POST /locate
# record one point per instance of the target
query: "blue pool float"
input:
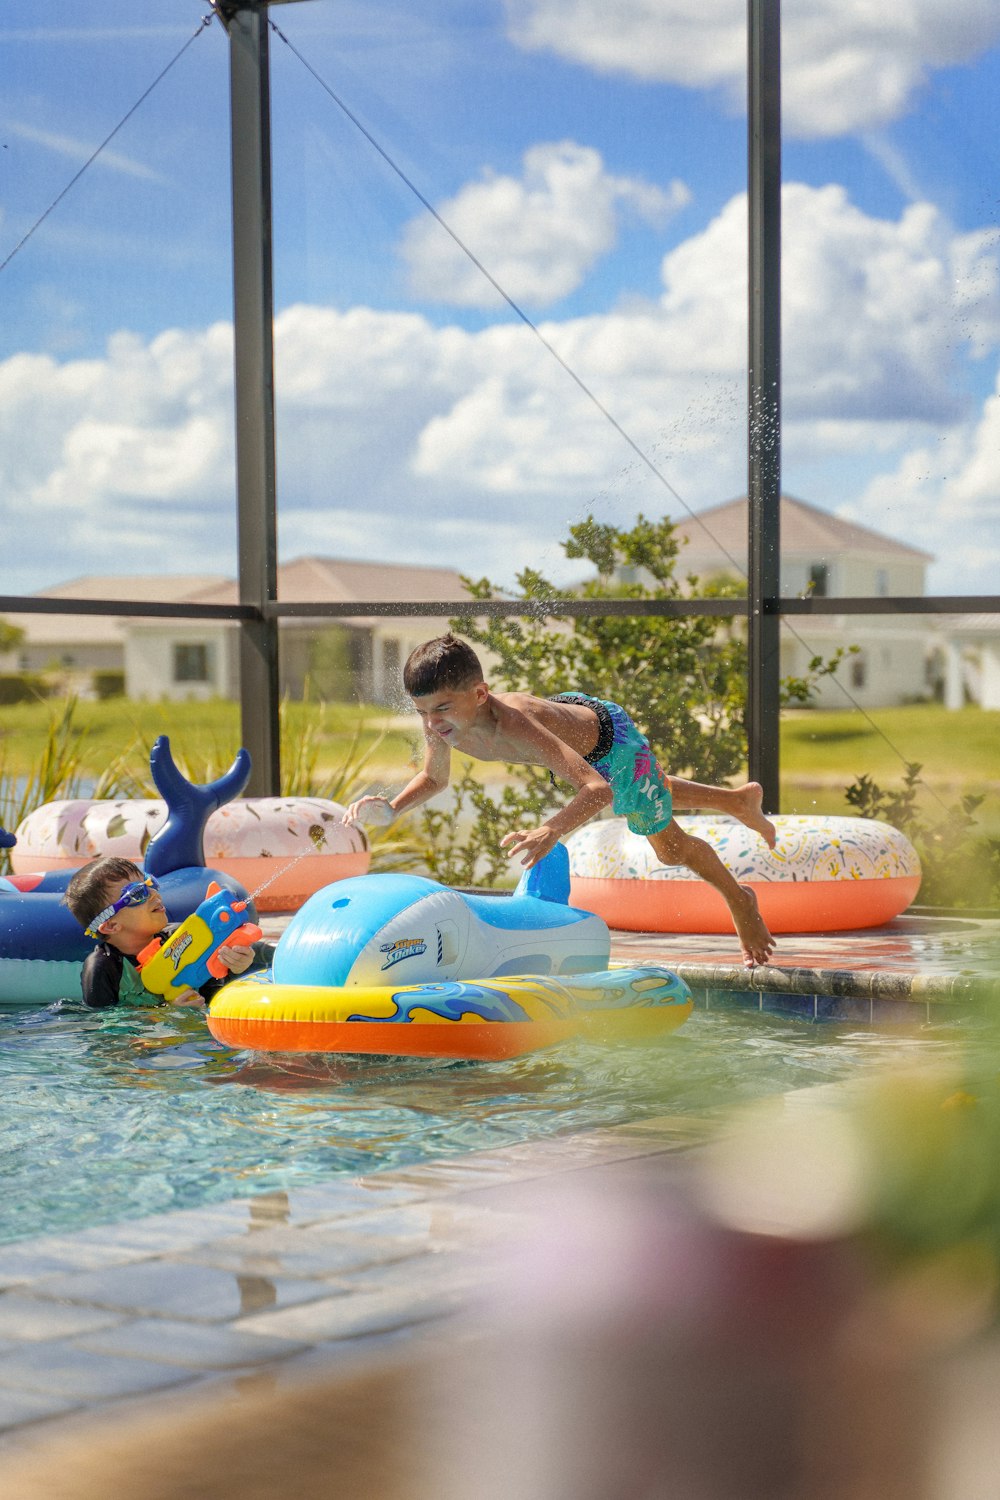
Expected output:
(404, 929)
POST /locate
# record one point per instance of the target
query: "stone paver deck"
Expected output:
(913, 966)
(114, 1317)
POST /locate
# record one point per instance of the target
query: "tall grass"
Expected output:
(63, 770)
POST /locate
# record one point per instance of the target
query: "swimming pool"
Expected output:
(111, 1116)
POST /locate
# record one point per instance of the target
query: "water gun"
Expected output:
(187, 958)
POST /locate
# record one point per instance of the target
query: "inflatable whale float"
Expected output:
(403, 929)
(395, 965)
(42, 946)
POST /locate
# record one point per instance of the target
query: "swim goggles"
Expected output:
(134, 894)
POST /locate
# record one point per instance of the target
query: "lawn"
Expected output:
(822, 753)
(204, 736)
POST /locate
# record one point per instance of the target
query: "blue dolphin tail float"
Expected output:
(180, 843)
(42, 946)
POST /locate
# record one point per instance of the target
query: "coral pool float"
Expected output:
(825, 874)
(254, 840)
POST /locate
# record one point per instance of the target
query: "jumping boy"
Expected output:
(122, 908)
(586, 741)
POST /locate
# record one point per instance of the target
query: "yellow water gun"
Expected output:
(187, 958)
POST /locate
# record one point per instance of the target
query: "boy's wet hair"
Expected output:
(445, 662)
(90, 889)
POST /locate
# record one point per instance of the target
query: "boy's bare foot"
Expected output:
(755, 940)
(749, 809)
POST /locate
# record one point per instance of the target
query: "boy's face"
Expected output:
(131, 928)
(450, 710)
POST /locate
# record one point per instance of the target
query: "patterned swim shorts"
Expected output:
(639, 788)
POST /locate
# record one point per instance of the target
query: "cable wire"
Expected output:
(205, 22)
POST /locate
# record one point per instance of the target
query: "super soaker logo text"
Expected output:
(402, 948)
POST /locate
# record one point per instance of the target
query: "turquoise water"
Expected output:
(110, 1116)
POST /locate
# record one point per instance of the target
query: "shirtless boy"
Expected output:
(586, 741)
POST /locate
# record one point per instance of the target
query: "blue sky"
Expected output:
(592, 154)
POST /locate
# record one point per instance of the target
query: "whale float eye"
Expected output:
(336, 905)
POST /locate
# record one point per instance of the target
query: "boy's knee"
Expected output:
(671, 844)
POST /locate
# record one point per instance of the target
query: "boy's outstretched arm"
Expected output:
(432, 778)
(542, 748)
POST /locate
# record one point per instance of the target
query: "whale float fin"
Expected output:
(179, 844)
(549, 879)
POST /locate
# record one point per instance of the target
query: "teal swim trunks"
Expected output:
(639, 788)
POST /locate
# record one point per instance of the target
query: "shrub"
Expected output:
(960, 863)
(109, 684)
(22, 687)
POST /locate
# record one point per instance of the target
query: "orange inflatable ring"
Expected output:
(825, 874)
(253, 839)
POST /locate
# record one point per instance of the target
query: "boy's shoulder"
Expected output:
(525, 703)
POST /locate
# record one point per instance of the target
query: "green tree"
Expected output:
(682, 678)
(10, 635)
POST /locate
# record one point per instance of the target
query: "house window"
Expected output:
(882, 582)
(191, 661)
(859, 671)
(819, 576)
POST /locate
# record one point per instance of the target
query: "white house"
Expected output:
(823, 555)
(347, 657)
(79, 645)
(966, 658)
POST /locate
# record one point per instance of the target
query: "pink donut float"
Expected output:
(254, 839)
(825, 874)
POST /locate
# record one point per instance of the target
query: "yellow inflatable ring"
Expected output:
(487, 1019)
(825, 874)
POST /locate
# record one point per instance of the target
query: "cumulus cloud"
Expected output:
(945, 498)
(846, 64)
(539, 234)
(875, 312)
(400, 439)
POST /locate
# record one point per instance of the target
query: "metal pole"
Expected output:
(253, 314)
(764, 406)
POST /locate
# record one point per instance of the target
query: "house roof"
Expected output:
(335, 580)
(805, 529)
(103, 630)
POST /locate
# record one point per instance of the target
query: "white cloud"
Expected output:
(81, 151)
(538, 235)
(875, 312)
(400, 439)
(846, 64)
(944, 497)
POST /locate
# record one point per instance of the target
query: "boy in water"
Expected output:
(586, 741)
(121, 907)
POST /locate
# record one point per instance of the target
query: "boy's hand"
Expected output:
(533, 843)
(378, 811)
(237, 960)
(190, 998)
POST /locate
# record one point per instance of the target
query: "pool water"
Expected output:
(114, 1115)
